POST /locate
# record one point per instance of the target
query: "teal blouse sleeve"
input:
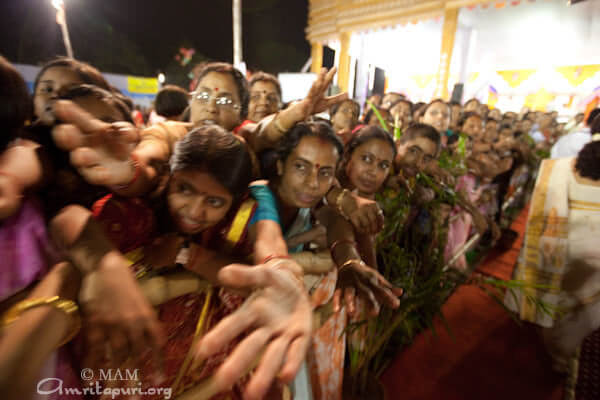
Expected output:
(267, 207)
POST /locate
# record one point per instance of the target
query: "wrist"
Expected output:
(112, 260)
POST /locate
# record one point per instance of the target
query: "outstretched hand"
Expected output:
(101, 152)
(276, 320)
(364, 214)
(358, 279)
(316, 101)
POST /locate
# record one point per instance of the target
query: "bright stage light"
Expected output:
(58, 4)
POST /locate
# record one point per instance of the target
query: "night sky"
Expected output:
(143, 37)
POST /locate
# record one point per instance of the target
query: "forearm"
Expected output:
(80, 236)
(160, 289)
(27, 343)
(268, 240)
(314, 263)
(272, 128)
(342, 240)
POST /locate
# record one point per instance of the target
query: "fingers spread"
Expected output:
(242, 359)
(294, 357)
(225, 331)
(69, 112)
(269, 366)
(68, 137)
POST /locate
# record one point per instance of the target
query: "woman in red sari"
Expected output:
(206, 207)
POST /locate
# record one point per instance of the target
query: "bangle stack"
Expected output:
(69, 307)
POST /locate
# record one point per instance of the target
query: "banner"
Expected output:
(578, 74)
(142, 85)
(515, 78)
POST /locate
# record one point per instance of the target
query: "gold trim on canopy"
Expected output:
(334, 20)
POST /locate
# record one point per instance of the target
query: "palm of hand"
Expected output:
(100, 152)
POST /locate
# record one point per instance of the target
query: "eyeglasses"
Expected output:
(222, 102)
(271, 98)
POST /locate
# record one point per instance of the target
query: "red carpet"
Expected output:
(501, 264)
(486, 356)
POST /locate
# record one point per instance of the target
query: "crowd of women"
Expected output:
(220, 247)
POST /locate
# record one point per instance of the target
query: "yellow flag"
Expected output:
(578, 74)
(515, 77)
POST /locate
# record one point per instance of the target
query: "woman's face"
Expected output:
(402, 113)
(415, 154)
(491, 131)
(50, 82)
(473, 127)
(264, 100)
(197, 201)
(386, 116)
(308, 172)
(438, 116)
(346, 117)
(370, 165)
(216, 101)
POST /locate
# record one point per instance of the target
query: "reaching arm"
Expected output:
(26, 343)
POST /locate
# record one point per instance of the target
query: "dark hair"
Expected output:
(466, 115)
(421, 130)
(76, 91)
(528, 115)
(471, 100)
(393, 94)
(86, 72)
(588, 160)
(591, 116)
(211, 149)
(16, 106)
(365, 134)
(417, 106)
(124, 99)
(238, 78)
(261, 76)
(171, 101)
(303, 129)
(595, 125)
(334, 109)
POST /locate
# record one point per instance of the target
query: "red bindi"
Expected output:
(318, 166)
(216, 89)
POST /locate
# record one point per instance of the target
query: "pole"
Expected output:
(61, 19)
(237, 32)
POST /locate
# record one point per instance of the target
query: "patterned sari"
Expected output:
(131, 224)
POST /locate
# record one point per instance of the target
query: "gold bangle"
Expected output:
(69, 307)
(349, 262)
(338, 202)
